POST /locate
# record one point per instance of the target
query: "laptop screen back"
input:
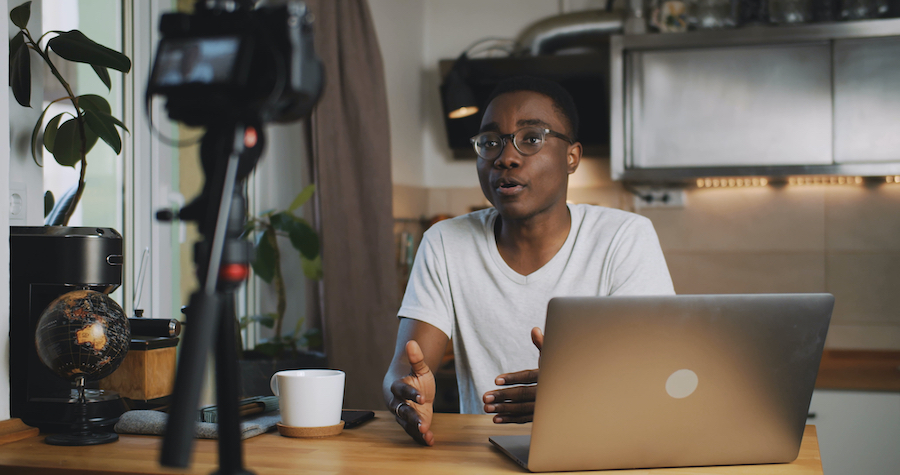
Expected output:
(687, 380)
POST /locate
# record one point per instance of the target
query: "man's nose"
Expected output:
(509, 155)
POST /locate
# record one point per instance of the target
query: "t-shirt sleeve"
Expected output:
(427, 296)
(638, 265)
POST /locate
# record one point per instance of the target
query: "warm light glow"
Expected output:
(462, 112)
(825, 180)
(731, 182)
(892, 179)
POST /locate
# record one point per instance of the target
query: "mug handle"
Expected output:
(273, 384)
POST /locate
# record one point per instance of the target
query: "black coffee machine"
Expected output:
(44, 263)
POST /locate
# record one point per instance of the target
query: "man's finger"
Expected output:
(537, 337)
(529, 376)
(513, 418)
(510, 408)
(514, 394)
(405, 392)
(408, 419)
(416, 358)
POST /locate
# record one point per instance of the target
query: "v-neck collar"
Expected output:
(565, 250)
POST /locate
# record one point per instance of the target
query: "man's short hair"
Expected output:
(562, 100)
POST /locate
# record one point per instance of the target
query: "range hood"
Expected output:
(774, 102)
(571, 49)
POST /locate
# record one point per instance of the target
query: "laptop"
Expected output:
(673, 381)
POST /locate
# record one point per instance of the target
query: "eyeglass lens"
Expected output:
(528, 141)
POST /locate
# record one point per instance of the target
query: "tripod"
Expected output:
(222, 264)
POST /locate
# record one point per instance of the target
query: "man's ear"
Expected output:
(574, 157)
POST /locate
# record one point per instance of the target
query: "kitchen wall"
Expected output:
(843, 239)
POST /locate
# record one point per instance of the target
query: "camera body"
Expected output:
(221, 66)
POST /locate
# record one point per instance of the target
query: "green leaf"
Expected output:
(20, 70)
(35, 132)
(67, 144)
(103, 74)
(264, 263)
(21, 14)
(267, 320)
(304, 238)
(93, 102)
(313, 338)
(281, 221)
(312, 268)
(50, 132)
(302, 197)
(49, 201)
(75, 46)
(100, 124)
(269, 349)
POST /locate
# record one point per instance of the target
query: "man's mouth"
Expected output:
(509, 187)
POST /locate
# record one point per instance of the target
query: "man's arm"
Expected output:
(409, 386)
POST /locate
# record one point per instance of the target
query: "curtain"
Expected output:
(350, 142)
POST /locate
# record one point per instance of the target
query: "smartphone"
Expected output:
(354, 418)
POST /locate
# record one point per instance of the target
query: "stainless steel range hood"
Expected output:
(818, 99)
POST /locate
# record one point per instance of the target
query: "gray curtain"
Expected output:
(350, 140)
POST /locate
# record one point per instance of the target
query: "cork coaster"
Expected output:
(310, 432)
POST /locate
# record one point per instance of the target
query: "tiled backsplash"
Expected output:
(842, 239)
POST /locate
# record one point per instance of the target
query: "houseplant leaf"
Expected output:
(312, 268)
(20, 15)
(67, 146)
(94, 102)
(20, 70)
(103, 74)
(49, 201)
(104, 128)
(302, 197)
(75, 46)
(264, 263)
(304, 238)
(50, 132)
(35, 132)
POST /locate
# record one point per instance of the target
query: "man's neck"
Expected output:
(527, 244)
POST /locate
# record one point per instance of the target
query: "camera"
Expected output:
(232, 62)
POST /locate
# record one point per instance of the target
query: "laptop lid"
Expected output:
(669, 381)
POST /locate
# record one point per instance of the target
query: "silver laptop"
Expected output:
(672, 381)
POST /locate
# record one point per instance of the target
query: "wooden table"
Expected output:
(377, 447)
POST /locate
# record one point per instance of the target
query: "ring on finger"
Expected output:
(397, 409)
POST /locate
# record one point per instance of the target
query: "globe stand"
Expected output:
(81, 433)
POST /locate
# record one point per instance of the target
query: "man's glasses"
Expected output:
(528, 141)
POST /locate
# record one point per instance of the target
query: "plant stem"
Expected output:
(78, 116)
(278, 283)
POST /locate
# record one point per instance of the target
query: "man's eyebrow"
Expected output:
(490, 127)
(531, 122)
(494, 127)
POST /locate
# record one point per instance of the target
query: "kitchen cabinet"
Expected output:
(763, 100)
(859, 431)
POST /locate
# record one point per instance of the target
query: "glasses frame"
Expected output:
(504, 138)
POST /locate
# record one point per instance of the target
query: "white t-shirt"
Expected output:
(461, 285)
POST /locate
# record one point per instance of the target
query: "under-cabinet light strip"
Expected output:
(825, 180)
(892, 179)
(731, 182)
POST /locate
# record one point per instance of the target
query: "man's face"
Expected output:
(521, 187)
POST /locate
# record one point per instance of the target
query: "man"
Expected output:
(485, 278)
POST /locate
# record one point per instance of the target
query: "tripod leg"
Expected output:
(230, 451)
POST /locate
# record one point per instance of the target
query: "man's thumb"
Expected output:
(416, 358)
(537, 338)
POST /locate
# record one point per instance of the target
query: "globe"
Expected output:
(83, 334)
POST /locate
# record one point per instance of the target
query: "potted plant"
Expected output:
(285, 349)
(68, 139)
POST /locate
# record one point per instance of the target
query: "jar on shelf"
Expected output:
(863, 9)
(790, 11)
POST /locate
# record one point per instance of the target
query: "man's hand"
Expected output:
(515, 404)
(413, 397)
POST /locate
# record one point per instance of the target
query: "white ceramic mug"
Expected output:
(309, 397)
